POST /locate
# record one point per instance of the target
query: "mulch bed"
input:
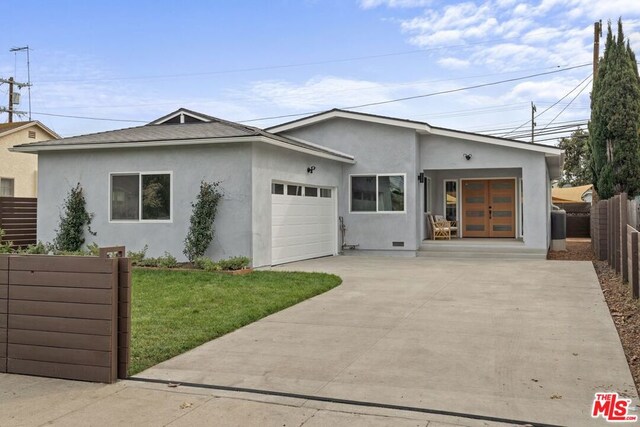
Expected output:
(625, 311)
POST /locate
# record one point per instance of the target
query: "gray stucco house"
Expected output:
(286, 188)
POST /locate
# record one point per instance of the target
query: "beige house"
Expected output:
(19, 171)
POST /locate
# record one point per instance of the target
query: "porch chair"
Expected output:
(441, 228)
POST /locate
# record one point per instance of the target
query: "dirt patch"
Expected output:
(625, 311)
(577, 250)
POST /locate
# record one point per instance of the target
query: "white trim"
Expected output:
(444, 198)
(28, 125)
(376, 175)
(427, 203)
(140, 220)
(347, 115)
(419, 127)
(496, 141)
(13, 187)
(520, 206)
(180, 112)
(181, 142)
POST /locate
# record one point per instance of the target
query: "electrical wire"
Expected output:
(294, 65)
(574, 98)
(407, 98)
(550, 107)
(350, 107)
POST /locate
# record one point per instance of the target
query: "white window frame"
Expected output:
(444, 198)
(428, 204)
(304, 189)
(378, 212)
(140, 220)
(14, 184)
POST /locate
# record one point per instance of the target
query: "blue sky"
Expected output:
(242, 60)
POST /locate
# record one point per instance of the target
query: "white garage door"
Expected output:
(303, 222)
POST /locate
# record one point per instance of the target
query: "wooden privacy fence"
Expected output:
(614, 239)
(578, 219)
(65, 316)
(18, 218)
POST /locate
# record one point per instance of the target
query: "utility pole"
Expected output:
(597, 33)
(533, 119)
(10, 108)
(10, 99)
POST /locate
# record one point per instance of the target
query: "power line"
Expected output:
(351, 107)
(91, 118)
(550, 107)
(293, 65)
(573, 99)
(407, 98)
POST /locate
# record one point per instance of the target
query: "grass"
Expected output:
(174, 311)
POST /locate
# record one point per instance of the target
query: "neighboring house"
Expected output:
(18, 171)
(582, 193)
(286, 187)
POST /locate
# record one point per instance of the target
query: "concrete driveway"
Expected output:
(517, 339)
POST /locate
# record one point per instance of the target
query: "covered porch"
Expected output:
(473, 205)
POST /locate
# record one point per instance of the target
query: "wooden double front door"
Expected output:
(489, 208)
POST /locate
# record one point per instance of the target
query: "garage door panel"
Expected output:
(284, 221)
(302, 227)
(283, 241)
(296, 230)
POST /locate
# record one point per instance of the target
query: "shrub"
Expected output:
(234, 263)
(137, 257)
(93, 249)
(201, 229)
(148, 262)
(70, 233)
(5, 247)
(204, 263)
(37, 249)
(167, 261)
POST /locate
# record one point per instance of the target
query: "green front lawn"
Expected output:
(174, 311)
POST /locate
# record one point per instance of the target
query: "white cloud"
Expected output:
(453, 63)
(370, 4)
(318, 93)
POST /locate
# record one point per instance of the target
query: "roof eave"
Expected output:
(37, 148)
(331, 114)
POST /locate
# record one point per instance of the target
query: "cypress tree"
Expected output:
(614, 138)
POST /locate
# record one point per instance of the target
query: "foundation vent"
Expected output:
(398, 244)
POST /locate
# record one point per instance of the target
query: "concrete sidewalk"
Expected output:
(523, 340)
(32, 401)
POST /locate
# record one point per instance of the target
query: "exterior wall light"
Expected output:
(310, 169)
(467, 156)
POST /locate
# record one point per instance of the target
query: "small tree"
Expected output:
(576, 170)
(70, 232)
(201, 230)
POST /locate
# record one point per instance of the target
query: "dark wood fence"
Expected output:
(615, 240)
(578, 219)
(65, 316)
(18, 218)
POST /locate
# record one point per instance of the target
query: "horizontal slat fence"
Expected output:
(615, 237)
(578, 218)
(61, 316)
(18, 218)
